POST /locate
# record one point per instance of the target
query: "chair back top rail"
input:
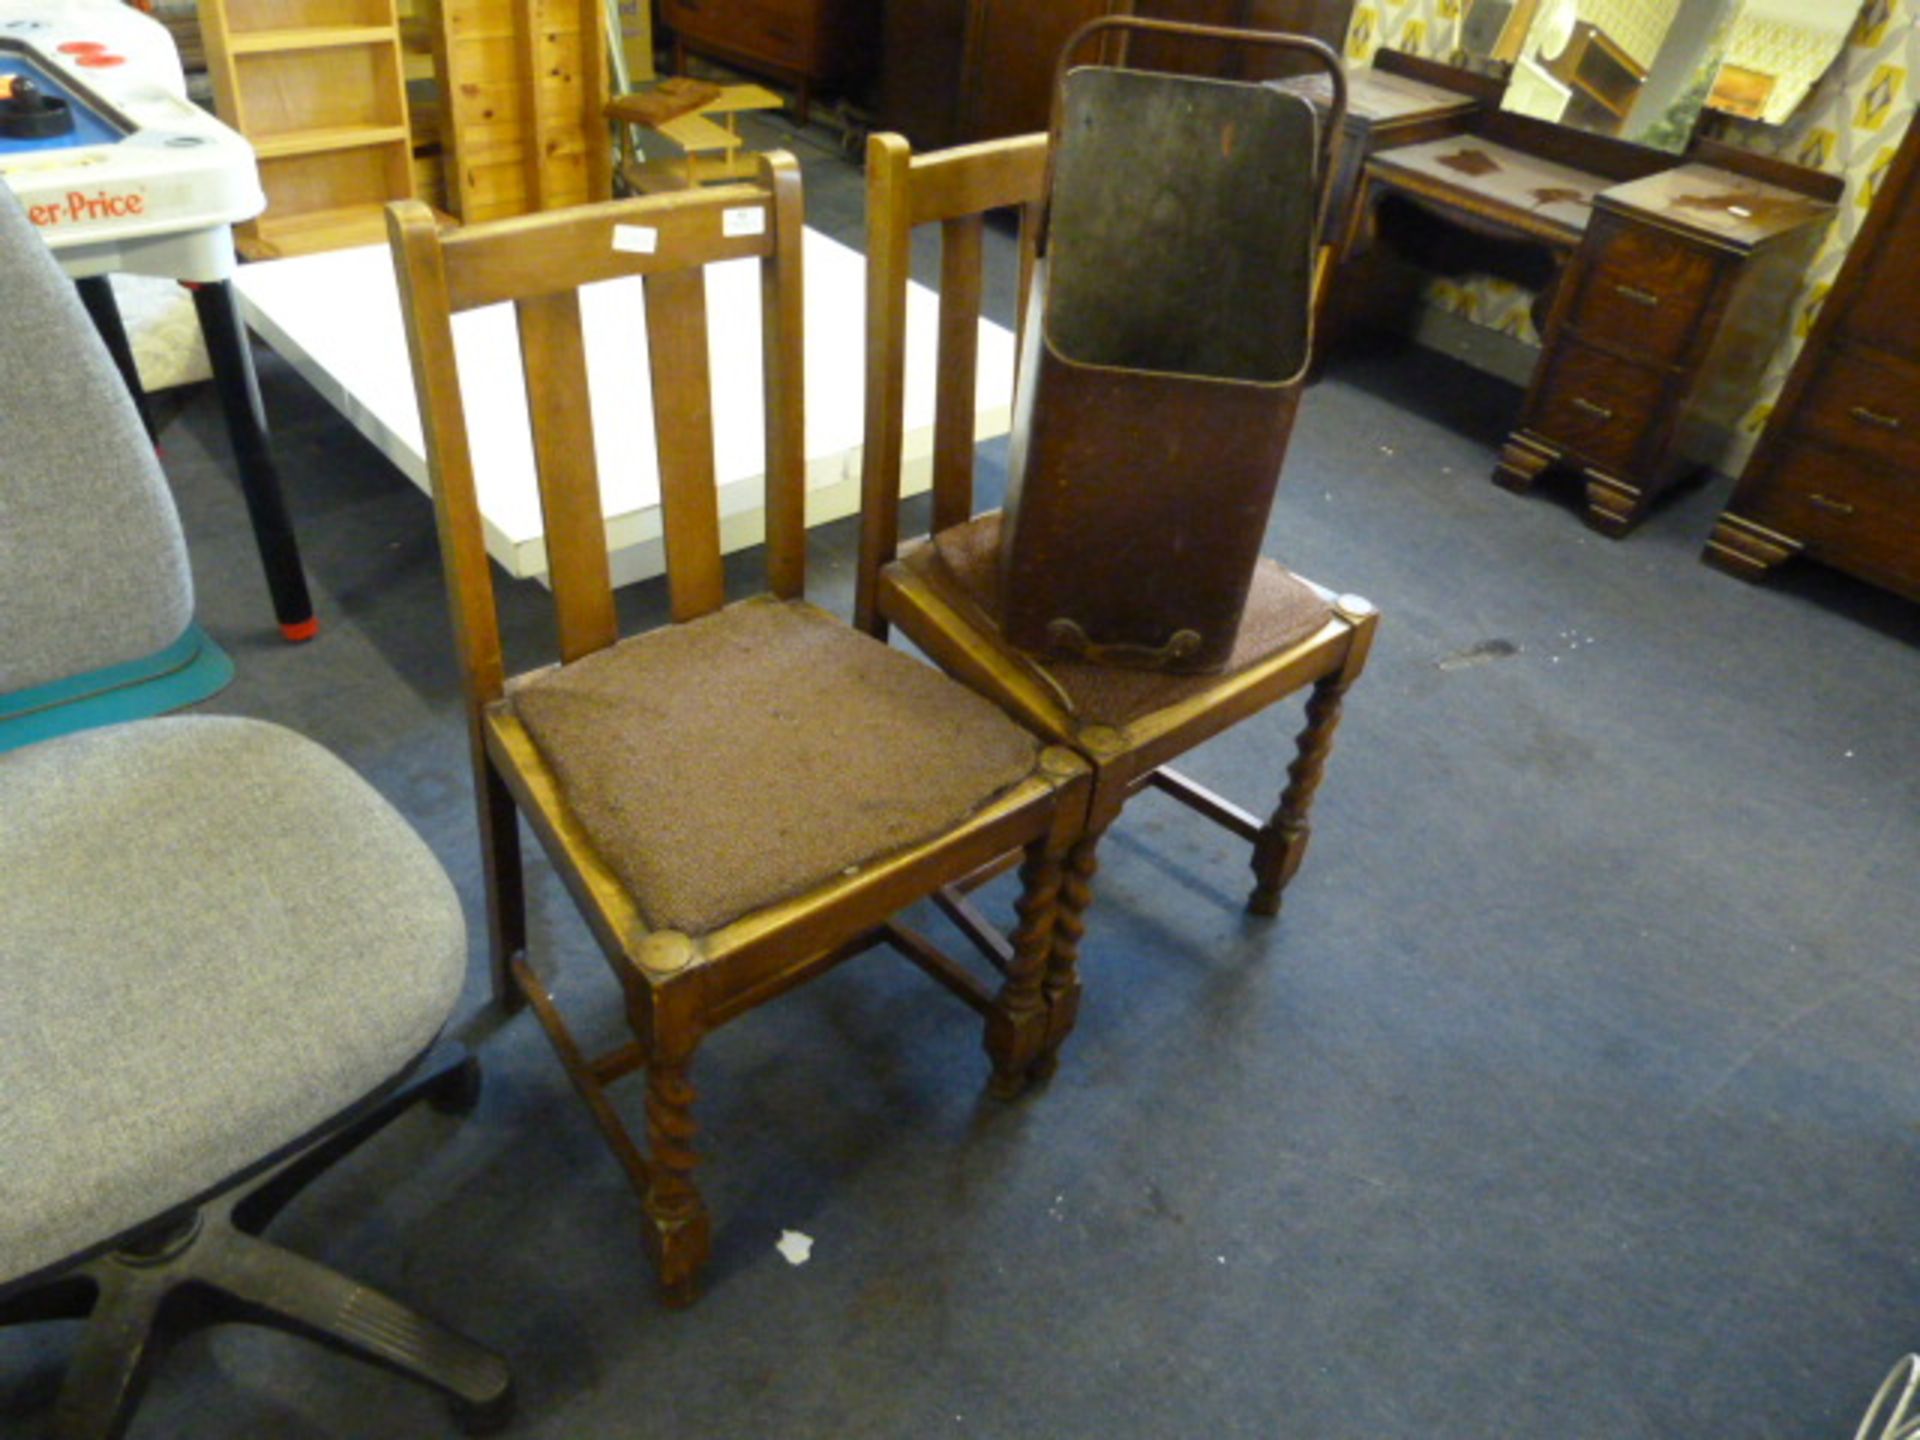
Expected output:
(538, 262)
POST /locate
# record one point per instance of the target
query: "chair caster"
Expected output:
(458, 1091)
(679, 1294)
(1007, 1085)
(485, 1418)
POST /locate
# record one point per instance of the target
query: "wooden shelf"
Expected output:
(338, 137)
(314, 37)
(276, 237)
(319, 89)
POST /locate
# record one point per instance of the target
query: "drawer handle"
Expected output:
(1875, 418)
(1637, 295)
(1832, 507)
(1587, 407)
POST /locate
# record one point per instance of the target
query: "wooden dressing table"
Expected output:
(1667, 278)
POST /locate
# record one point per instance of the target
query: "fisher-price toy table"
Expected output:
(147, 183)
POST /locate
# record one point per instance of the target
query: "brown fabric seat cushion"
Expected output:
(1282, 610)
(743, 758)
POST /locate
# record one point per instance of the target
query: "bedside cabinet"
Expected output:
(1836, 475)
(804, 42)
(1661, 327)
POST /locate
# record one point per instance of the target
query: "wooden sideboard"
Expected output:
(1836, 475)
(1664, 279)
(806, 42)
(960, 70)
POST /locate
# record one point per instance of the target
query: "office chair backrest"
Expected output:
(93, 566)
(538, 262)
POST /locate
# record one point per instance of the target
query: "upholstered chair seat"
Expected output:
(743, 758)
(1282, 610)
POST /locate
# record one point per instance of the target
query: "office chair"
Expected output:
(224, 959)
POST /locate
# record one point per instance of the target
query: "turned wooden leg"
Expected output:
(679, 1232)
(1061, 988)
(1017, 1026)
(505, 881)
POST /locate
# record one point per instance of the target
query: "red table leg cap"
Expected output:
(301, 630)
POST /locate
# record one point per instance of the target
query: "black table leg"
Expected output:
(259, 481)
(96, 293)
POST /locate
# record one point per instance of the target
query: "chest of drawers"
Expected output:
(1836, 475)
(1663, 321)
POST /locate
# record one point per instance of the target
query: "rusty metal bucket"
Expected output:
(1170, 331)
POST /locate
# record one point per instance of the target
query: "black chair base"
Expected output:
(208, 1266)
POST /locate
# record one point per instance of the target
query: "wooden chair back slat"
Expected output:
(1031, 215)
(956, 379)
(683, 423)
(553, 356)
(782, 307)
(954, 189)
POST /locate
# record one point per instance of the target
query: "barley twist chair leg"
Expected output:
(1017, 1027)
(679, 1231)
(1062, 986)
(1282, 844)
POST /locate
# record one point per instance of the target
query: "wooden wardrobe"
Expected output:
(1836, 475)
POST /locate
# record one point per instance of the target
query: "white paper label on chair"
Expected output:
(743, 220)
(636, 239)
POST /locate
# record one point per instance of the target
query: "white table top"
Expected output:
(336, 317)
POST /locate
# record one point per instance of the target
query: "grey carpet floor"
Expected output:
(1574, 1093)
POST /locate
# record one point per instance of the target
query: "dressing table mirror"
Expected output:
(1645, 69)
(1638, 69)
(1566, 154)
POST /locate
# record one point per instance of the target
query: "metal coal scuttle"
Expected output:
(1171, 302)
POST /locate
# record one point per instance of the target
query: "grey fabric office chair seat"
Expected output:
(222, 959)
(215, 939)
